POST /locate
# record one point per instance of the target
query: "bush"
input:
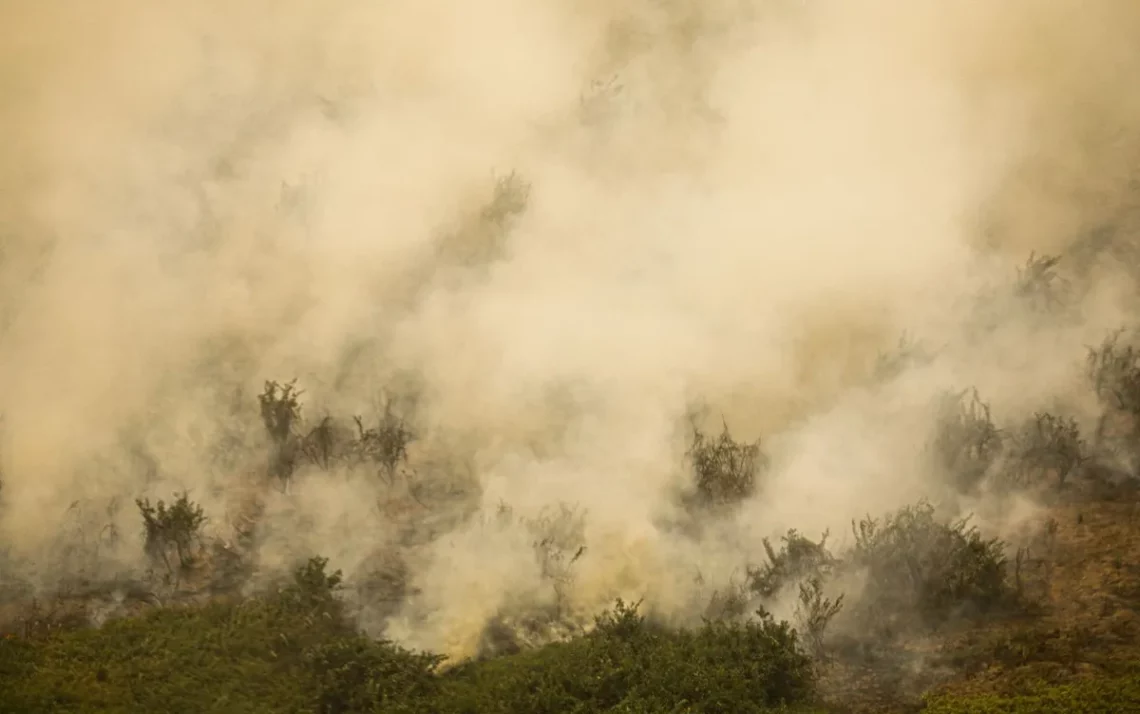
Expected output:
(280, 413)
(330, 442)
(923, 571)
(725, 470)
(173, 530)
(311, 586)
(357, 674)
(814, 613)
(255, 655)
(906, 354)
(967, 444)
(798, 558)
(627, 664)
(1039, 286)
(385, 445)
(268, 654)
(1049, 445)
(1114, 372)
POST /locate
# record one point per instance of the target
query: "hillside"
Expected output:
(625, 356)
(1046, 624)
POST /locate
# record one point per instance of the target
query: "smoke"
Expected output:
(564, 227)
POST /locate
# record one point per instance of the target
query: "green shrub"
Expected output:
(357, 674)
(294, 651)
(628, 664)
(250, 656)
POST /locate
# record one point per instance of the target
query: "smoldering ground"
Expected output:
(563, 227)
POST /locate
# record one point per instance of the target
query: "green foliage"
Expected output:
(175, 528)
(920, 567)
(287, 653)
(725, 469)
(627, 664)
(312, 586)
(356, 674)
(233, 656)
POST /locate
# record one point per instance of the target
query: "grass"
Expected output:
(1089, 696)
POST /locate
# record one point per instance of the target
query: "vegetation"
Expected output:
(725, 470)
(172, 531)
(967, 444)
(1050, 445)
(1089, 696)
(924, 568)
(907, 353)
(1040, 287)
(294, 650)
(919, 601)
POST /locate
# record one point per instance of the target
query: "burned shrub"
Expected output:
(814, 612)
(1048, 445)
(922, 571)
(798, 558)
(724, 469)
(280, 409)
(967, 443)
(482, 238)
(906, 354)
(1040, 287)
(280, 413)
(509, 200)
(322, 445)
(330, 442)
(804, 564)
(560, 541)
(1114, 372)
(384, 445)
